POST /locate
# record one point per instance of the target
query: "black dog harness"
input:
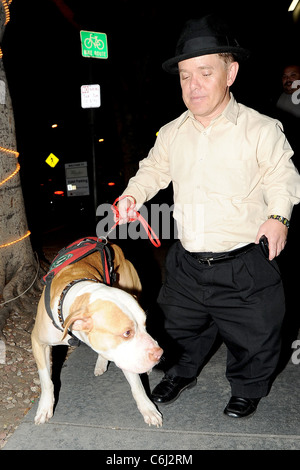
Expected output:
(70, 255)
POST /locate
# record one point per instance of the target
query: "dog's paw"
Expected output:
(101, 365)
(152, 417)
(43, 415)
(45, 408)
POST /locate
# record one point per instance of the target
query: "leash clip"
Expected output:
(104, 239)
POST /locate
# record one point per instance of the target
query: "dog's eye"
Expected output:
(127, 334)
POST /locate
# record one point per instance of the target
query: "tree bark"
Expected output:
(18, 266)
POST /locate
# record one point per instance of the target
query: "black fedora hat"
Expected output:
(207, 35)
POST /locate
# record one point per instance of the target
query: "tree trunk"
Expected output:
(18, 266)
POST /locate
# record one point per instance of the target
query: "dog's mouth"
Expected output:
(136, 369)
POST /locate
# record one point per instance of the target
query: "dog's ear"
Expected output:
(79, 322)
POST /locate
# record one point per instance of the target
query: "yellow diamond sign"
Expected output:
(52, 160)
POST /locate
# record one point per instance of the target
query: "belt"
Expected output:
(211, 258)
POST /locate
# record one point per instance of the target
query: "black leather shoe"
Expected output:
(170, 387)
(239, 407)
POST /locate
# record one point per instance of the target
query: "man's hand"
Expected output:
(127, 210)
(276, 234)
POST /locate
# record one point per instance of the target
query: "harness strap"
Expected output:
(47, 298)
(75, 341)
(108, 267)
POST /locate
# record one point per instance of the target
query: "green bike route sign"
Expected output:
(94, 44)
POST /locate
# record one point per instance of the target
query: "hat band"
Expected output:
(206, 42)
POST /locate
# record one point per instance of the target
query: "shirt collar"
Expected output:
(230, 112)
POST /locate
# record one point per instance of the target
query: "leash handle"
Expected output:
(137, 216)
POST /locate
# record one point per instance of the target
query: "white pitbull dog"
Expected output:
(108, 319)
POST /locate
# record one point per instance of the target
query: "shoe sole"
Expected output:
(187, 387)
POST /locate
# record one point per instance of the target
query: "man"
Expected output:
(233, 182)
(289, 100)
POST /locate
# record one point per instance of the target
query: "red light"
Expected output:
(111, 183)
(59, 193)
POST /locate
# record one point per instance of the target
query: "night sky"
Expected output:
(45, 69)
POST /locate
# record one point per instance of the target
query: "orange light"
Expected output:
(6, 10)
(101, 140)
(5, 4)
(111, 183)
(11, 175)
(59, 193)
(16, 241)
(14, 152)
(10, 153)
(54, 125)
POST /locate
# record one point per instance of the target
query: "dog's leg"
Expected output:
(101, 365)
(41, 353)
(147, 408)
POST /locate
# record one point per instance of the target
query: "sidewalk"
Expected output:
(99, 413)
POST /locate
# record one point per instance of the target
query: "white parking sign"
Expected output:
(90, 96)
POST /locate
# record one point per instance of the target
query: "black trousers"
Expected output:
(241, 299)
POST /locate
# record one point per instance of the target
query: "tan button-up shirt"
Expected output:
(227, 178)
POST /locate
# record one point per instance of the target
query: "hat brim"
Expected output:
(171, 65)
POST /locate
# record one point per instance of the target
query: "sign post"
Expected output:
(93, 45)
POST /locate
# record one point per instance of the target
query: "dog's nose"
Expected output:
(155, 354)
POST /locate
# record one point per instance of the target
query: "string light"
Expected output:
(5, 4)
(11, 175)
(10, 152)
(16, 241)
(15, 154)
(6, 150)
(6, 11)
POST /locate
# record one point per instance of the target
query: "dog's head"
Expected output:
(113, 323)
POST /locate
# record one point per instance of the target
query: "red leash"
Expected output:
(137, 216)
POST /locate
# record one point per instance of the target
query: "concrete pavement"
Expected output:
(99, 413)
